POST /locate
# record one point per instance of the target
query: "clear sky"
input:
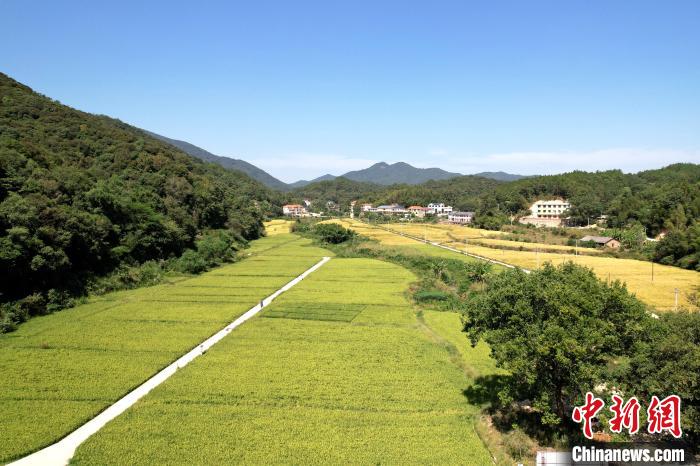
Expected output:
(304, 88)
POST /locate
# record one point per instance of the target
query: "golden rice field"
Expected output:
(278, 227)
(383, 236)
(445, 233)
(659, 293)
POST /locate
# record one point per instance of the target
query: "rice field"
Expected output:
(60, 370)
(337, 370)
(659, 292)
(278, 227)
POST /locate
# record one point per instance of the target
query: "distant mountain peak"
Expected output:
(399, 172)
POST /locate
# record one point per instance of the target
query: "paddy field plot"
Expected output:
(278, 226)
(637, 275)
(337, 370)
(58, 371)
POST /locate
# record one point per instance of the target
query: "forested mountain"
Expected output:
(226, 162)
(500, 176)
(339, 190)
(302, 183)
(463, 193)
(81, 194)
(400, 172)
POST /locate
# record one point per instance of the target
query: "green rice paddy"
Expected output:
(60, 370)
(337, 370)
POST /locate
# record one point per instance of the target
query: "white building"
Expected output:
(294, 210)
(366, 208)
(549, 209)
(391, 209)
(546, 213)
(439, 209)
(460, 217)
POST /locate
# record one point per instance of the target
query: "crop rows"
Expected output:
(376, 389)
(60, 370)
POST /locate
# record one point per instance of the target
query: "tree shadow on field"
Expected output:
(484, 392)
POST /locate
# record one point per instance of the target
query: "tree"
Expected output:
(333, 233)
(667, 361)
(554, 330)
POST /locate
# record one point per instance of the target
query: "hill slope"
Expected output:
(81, 195)
(226, 162)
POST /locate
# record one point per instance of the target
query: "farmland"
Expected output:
(278, 227)
(62, 369)
(338, 370)
(637, 274)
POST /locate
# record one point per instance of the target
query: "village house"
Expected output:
(367, 208)
(439, 209)
(418, 211)
(460, 217)
(604, 241)
(546, 213)
(294, 210)
(391, 209)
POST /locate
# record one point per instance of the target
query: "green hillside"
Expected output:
(81, 194)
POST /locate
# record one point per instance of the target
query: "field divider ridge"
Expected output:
(61, 452)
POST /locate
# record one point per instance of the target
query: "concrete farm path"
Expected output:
(61, 452)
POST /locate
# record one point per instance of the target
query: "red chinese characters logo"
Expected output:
(626, 415)
(665, 415)
(662, 415)
(587, 412)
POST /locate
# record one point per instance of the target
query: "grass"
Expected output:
(337, 370)
(60, 370)
(636, 274)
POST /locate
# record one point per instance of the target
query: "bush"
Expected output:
(424, 296)
(478, 270)
(333, 233)
(192, 262)
(216, 247)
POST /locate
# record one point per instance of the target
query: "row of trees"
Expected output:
(81, 195)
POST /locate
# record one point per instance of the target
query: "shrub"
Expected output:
(333, 233)
(192, 262)
(424, 296)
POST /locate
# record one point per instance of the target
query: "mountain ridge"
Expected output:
(226, 162)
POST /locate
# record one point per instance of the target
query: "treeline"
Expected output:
(82, 195)
(463, 192)
(665, 201)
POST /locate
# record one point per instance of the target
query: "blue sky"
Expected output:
(305, 88)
